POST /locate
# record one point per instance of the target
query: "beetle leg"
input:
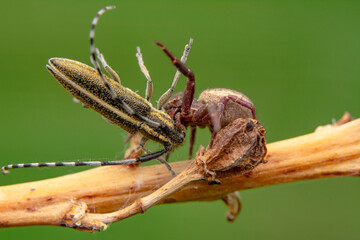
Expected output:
(163, 161)
(190, 84)
(75, 100)
(166, 96)
(106, 66)
(167, 155)
(137, 151)
(149, 84)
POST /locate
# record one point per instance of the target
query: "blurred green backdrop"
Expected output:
(299, 61)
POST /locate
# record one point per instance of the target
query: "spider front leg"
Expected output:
(166, 96)
(190, 84)
(188, 95)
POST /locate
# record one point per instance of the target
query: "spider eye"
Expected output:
(249, 126)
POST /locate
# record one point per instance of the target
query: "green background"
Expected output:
(299, 61)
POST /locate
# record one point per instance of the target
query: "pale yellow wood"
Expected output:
(333, 151)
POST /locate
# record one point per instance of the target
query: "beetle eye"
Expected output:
(183, 135)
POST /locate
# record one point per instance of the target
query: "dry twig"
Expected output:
(332, 151)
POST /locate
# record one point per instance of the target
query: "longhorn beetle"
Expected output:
(118, 104)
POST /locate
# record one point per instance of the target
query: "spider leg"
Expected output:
(192, 141)
(166, 96)
(190, 84)
(215, 119)
(238, 101)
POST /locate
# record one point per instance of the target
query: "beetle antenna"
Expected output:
(94, 61)
(141, 159)
(93, 58)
